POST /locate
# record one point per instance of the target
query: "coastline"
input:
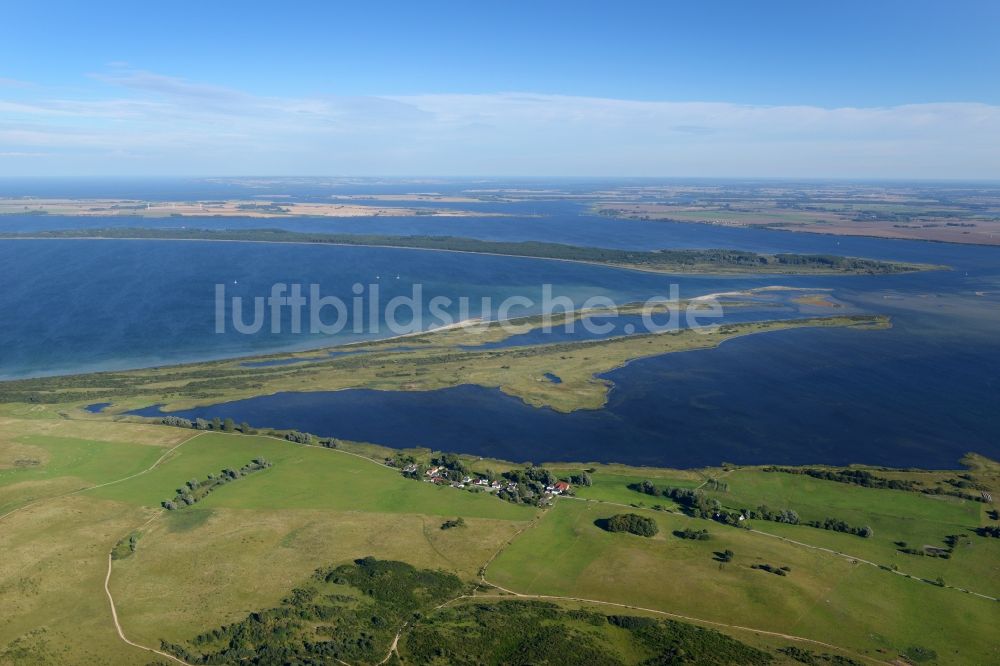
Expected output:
(294, 352)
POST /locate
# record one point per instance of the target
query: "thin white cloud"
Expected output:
(14, 83)
(150, 123)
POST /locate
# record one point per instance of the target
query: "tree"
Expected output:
(727, 555)
(216, 423)
(632, 523)
(866, 532)
(229, 425)
(245, 428)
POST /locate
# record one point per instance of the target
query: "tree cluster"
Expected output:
(764, 512)
(531, 483)
(632, 523)
(858, 477)
(537, 632)
(811, 658)
(349, 613)
(693, 502)
(451, 524)
(837, 525)
(689, 533)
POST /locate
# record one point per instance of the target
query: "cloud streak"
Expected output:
(136, 122)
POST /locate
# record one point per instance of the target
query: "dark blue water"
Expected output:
(97, 407)
(89, 305)
(791, 397)
(920, 394)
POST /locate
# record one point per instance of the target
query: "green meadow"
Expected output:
(88, 460)
(302, 478)
(81, 487)
(824, 597)
(613, 487)
(896, 517)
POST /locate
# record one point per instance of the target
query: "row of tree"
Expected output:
(837, 525)
(217, 424)
(865, 478)
(858, 477)
(695, 503)
(194, 490)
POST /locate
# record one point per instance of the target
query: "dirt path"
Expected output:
(687, 618)
(520, 595)
(859, 560)
(508, 593)
(118, 627)
(393, 649)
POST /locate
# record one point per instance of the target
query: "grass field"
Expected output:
(244, 546)
(894, 515)
(301, 478)
(612, 486)
(50, 463)
(204, 565)
(825, 597)
(196, 571)
(51, 577)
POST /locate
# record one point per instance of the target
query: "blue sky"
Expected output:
(845, 89)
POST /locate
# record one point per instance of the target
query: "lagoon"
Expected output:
(919, 394)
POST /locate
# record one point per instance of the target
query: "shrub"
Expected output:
(632, 523)
(450, 524)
